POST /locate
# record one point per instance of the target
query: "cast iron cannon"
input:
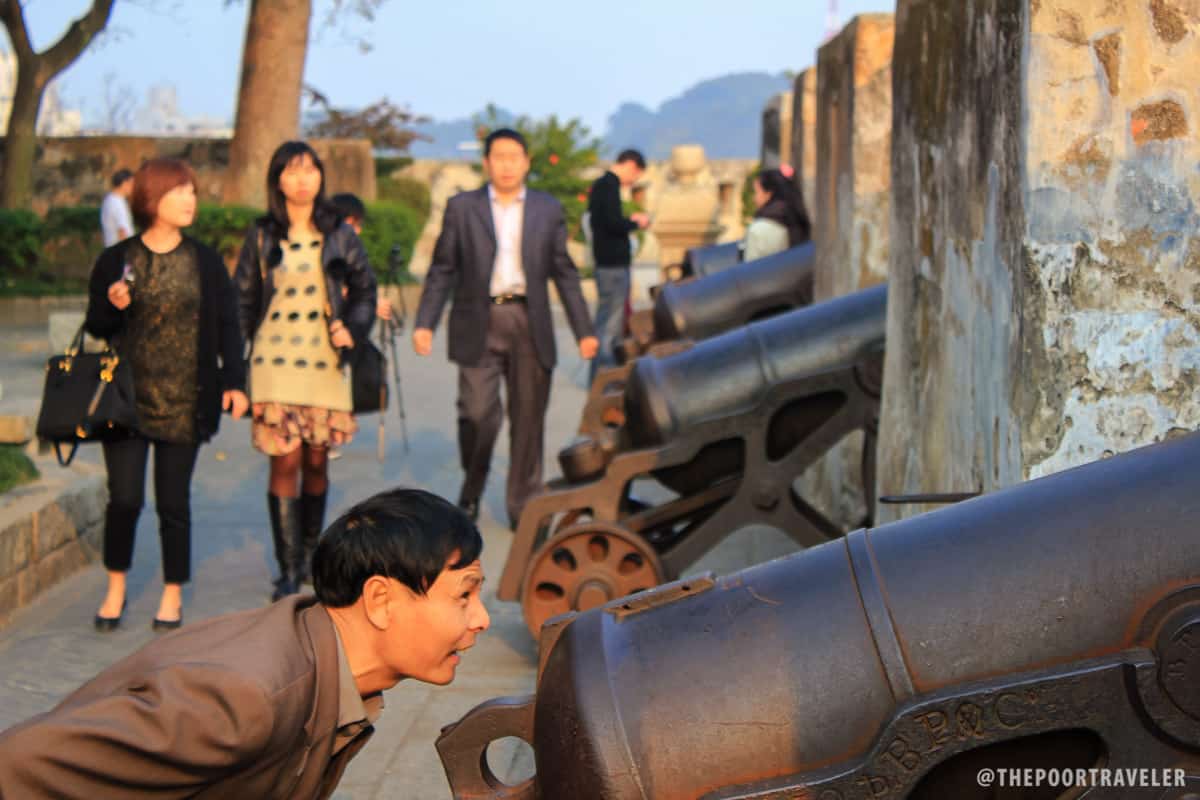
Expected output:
(720, 432)
(1053, 625)
(699, 308)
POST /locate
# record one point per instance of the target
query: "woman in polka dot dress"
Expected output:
(306, 294)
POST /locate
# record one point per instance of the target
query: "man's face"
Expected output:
(629, 173)
(125, 188)
(507, 165)
(427, 633)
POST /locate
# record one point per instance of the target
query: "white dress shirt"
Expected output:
(508, 274)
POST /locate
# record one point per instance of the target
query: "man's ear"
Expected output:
(375, 595)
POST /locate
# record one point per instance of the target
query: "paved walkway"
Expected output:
(50, 648)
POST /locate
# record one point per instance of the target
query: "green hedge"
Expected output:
(406, 192)
(54, 255)
(15, 468)
(389, 224)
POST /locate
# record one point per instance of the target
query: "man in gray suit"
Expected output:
(499, 247)
(270, 703)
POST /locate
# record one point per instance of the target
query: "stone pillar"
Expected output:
(1045, 260)
(804, 137)
(854, 125)
(777, 131)
(851, 202)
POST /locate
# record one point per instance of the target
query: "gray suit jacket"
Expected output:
(462, 266)
(243, 705)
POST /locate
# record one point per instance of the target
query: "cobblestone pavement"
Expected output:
(50, 648)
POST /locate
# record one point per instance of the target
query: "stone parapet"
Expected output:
(49, 529)
(1045, 260)
(804, 138)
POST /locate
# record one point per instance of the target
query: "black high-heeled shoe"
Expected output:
(164, 625)
(109, 624)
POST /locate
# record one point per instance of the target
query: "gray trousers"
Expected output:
(509, 355)
(612, 289)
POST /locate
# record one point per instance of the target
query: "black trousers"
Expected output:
(125, 461)
(509, 356)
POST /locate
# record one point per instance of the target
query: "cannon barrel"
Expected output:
(1054, 623)
(702, 307)
(707, 260)
(729, 372)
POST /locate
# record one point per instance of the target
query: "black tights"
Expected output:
(309, 462)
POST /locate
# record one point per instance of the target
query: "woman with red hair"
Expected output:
(167, 305)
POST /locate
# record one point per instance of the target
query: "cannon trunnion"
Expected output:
(1054, 624)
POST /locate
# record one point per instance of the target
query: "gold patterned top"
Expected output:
(292, 361)
(161, 339)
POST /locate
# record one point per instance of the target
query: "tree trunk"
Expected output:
(20, 143)
(34, 73)
(268, 109)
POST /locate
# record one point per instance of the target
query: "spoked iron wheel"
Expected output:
(585, 566)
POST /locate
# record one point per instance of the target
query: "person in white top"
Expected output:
(780, 219)
(116, 222)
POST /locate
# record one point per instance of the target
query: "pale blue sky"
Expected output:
(447, 58)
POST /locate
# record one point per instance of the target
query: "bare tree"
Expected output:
(268, 108)
(118, 104)
(383, 123)
(34, 72)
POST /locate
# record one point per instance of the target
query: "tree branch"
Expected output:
(73, 42)
(14, 20)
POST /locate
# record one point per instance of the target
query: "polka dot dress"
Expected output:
(293, 361)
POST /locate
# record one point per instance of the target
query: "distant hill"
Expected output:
(723, 114)
(447, 136)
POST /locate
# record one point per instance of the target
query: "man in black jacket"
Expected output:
(499, 247)
(613, 251)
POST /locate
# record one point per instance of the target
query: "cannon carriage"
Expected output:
(720, 431)
(1053, 625)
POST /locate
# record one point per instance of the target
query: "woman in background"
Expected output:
(306, 294)
(166, 303)
(780, 219)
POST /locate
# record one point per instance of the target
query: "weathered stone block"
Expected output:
(1045, 259)
(16, 544)
(851, 201)
(52, 528)
(854, 123)
(10, 597)
(777, 131)
(16, 428)
(62, 563)
(804, 137)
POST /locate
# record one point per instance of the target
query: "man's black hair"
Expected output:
(631, 155)
(405, 534)
(504, 133)
(349, 206)
(120, 176)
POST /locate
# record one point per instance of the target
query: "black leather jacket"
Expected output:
(344, 262)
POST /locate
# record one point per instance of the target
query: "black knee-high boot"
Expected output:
(312, 522)
(285, 528)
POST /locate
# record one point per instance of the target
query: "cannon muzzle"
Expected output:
(1054, 624)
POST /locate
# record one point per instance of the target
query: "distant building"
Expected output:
(53, 119)
(160, 116)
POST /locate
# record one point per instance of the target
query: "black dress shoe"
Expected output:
(109, 624)
(164, 625)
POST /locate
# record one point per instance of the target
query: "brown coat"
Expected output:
(243, 705)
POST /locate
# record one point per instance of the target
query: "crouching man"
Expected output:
(270, 703)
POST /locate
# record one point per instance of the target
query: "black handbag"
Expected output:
(88, 397)
(368, 378)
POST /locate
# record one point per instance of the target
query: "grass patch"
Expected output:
(15, 467)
